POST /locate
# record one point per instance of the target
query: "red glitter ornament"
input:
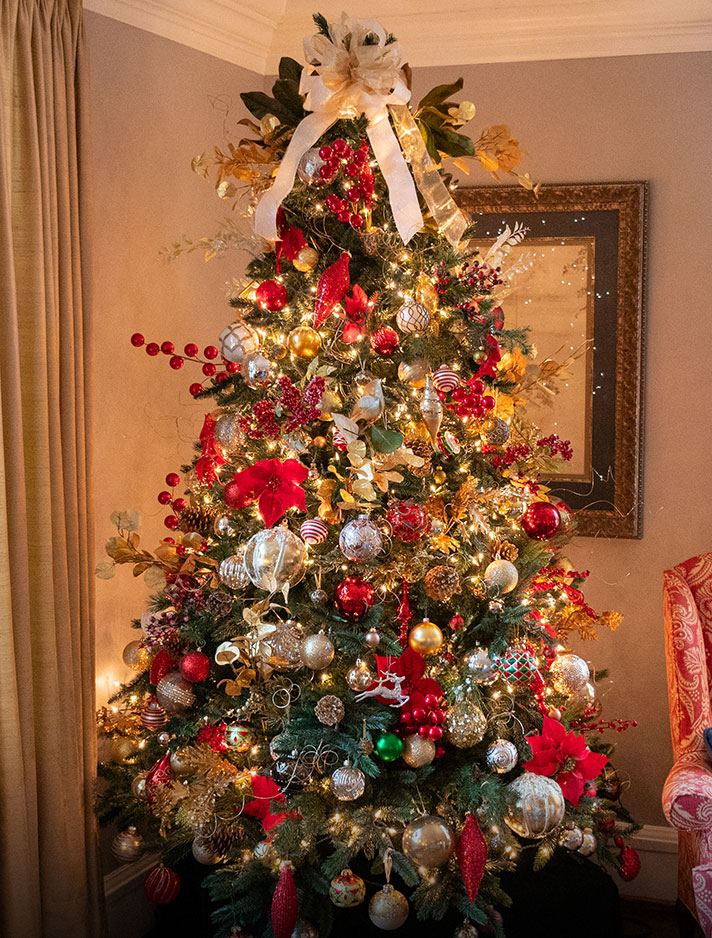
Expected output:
(541, 521)
(332, 287)
(285, 905)
(628, 861)
(194, 666)
(354, 597)
(384, 341)
(162, 885)
(408, 520)
(235, 497)
(471, 852)
(161, 665)
(271, 295)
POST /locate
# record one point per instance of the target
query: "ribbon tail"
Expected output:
(305, 136)
(401, 188)
(450, 220)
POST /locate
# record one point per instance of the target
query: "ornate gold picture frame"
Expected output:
(578, 281)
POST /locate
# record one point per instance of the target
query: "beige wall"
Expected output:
(582, 120)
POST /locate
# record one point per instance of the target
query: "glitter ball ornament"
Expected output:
(153, 716)
(571, 837)
(445, 379)
(428, 841)
(465, 724)
(309, 166)
(317, 651)
(258, 371)
(330, 710)
(389, 747)
(412, 317)
(408, 520)
(314, 531)
(194, 666)
(306, 259)
(204, 852)
(348, 783)
(274, 559)
(426, 638)
(535, 805)
(441, 583)
(304, 929)
(414, 373)
(238, 340)
(232, 571)
(501, 575)
(354, 597)
(588, 843)
(384, 341)
(162, 885)
(518, 664)
(496, 432)
(418, 751)
(126, 846)
(466, 930)
(237, 737)
(304, 342)
(541, 521)
(136, 656)
(482, 668)
(502, 756)
(271, 296)
(388, 908)
(228, 434)
(285, 647)
(359, 677)
(174, 693)
(360, 539)
(569, 673)
(347, 890)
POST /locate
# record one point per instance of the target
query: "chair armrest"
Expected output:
(687, 793)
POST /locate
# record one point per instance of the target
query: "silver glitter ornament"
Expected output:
(482, 668)
(496, 606)
(317, 651)
(502, 756)
(428, 841)
(318, 596)
(412, 317)
(360, 539)
(274, 558)
(535, 805)
(501, 575)
(348, 783)
(569, 673)
(465, 724)
(259, 372)
(228, 434)
(237, 341)
(232, 571)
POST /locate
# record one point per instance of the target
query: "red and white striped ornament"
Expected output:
(162, 885)
(340, 441)
(153, 716)
(314, 531)
(446, 379)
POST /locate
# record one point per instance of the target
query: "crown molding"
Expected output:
(254, 35)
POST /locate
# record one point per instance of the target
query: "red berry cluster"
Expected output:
(304, 407)
(425, 720)
(190, 353)
(600, 726)
(168, 498)
(556, 446)
(470, 400)
(354, 163)
(264, 426)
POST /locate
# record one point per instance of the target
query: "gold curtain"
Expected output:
(49, 883)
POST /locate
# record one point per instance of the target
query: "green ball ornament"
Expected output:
(389, 747)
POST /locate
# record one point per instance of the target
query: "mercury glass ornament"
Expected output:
(418, 751)
(317, 651)
(309, 166)
(163, 739)
(228, 434)
(179, 766)
(285, 647)
(304, 930)
(126, 846)
(274, 558)
(372, 638)
(588, 844)
(360, 539)
(388, 908)
(204, 852)
(571, 837)
(359, 677)
(232, 571)
(482, 668)
(138, 787)
(259, 372)
(348, 783)
(497, 432)
(412, 317)
(502, 756)
(223, 527)
(174, 693)
(318, 596)
(465, 724)
(569, 673)
(414, 373)
(307, 259)
(289, 771)
(535, 805)
(501, 575)
(238, 340)
(428, 841)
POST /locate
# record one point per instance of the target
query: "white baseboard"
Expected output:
(128, 911)
(657, 879)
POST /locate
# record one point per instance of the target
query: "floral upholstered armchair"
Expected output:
(687, 795)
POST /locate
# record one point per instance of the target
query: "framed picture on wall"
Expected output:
(577, 280)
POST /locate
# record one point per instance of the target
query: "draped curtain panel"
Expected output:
(49, 884)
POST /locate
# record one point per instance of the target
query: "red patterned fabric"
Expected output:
(687, 795)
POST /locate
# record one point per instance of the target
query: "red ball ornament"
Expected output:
(162, 885)
(234, 497)
(153, 348)
(271, 295)
(137, 340)
(541, 521)
(354, 597)
(456, 622)
(191, 350)
(384, 341)
(172, 479)
(194, 666)
(167, 348)
(408, 520)
(195, 389)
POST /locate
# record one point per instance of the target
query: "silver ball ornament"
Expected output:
(501, 575)
(127, 845)
(571, 837)
(535, 805)
(482, 668)
(497, 432)
(466, 930)
(259, 372)
(203, 851)
(502, 756)
(228, 434)
(309, 166)
(428, 841)
(569, 673)
(317, 651)
(318, 597)
(360, 539)
(348, 783)
(588, 844)
(232, 571)
(372, 638)
(274, 558)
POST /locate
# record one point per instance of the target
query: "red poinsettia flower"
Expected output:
(275, 485)
(265, 792)
(558, 751)
(358, 308)
(411, 666)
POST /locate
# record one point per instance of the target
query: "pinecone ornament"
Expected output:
(423, 449)
(505, 550)
(441, 583)
(198, 518)
(224, 837)
(218, 604)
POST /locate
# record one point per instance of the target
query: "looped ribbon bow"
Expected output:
(352, 75)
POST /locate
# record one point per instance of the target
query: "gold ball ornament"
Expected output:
(137, 657)
(414, 373)
(439, 477)
(359, 677)
(425, 638)
(535, 805)
(418, 751)
(501, 575)
(347, 890)
(317, 651)
(179, 763)
(304, 342)
(569, 673)
(126, 846)
(138, 787)
(307, 259)
(372, 638)
(122, 748)
(428, 841)
(388, 908)
(465, 724)
(441, 583)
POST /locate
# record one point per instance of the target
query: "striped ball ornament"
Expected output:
(162, 885)
(153, 716)
(340, 441)
(446, 379)
(314, 531)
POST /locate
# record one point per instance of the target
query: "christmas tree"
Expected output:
(356, 664)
